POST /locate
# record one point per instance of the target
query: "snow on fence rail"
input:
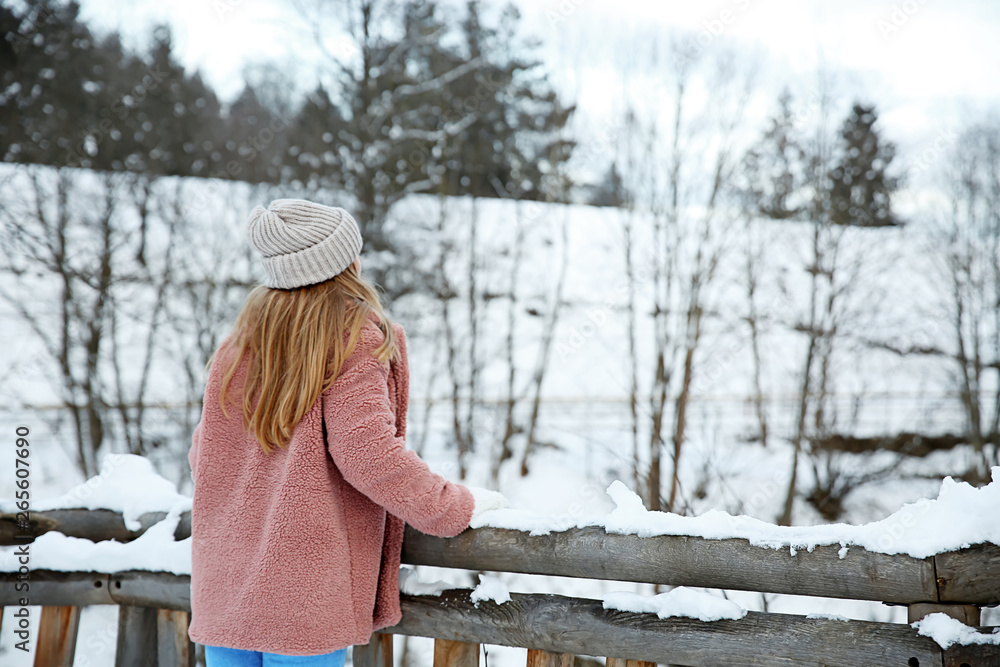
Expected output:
(968, 576)
(154, 605)
(943, 564)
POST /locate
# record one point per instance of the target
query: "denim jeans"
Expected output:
(217, 656)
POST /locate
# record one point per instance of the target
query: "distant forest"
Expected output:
(451, 106)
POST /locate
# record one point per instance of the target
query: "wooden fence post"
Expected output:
(137, 646)
(966, 613)
(450, 653)
(622, 662)
(174, 649)
(539, 658)
(57, 631)
(376, 653)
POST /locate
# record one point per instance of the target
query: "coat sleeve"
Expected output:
(362, 440)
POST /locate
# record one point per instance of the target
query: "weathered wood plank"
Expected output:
(174, 648)
(968, 656)
(57, 589)
(137, 645)
(96, 525)
(152, 589)
(569, 625)
(448, 653)
(57, 632)
(540, 658)
(682, 561)
(971, 575)
(376, 653)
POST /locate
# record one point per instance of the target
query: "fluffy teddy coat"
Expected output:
(297, 552)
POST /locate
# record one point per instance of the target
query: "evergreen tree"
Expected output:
(610, 191)
(312, 155)
(77, 101)
(256, 139)
(52, 88)
(861, 189)
(513, 140)
(785, 179)
(775, 168)
(163, 113)
(433, 103)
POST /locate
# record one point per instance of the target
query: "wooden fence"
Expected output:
(154, 607)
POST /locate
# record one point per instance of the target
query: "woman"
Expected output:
(302, 481)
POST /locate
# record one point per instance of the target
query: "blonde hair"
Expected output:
(297, 349)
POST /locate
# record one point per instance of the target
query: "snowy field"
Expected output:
(584, 412)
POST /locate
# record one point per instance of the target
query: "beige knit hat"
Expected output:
(303, 243)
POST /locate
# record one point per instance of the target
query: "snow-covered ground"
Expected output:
(584, 414)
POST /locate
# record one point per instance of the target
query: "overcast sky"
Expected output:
(928, 64)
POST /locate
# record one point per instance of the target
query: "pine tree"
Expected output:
(610, 191)
(52, 93)
(313, 156)
(861, 188)
(775, 167)
(256, 139)
(513, 140)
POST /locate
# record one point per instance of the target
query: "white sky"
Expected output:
(928, 64)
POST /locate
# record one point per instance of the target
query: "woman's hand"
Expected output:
(487, 500)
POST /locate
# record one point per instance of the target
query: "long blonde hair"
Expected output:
(296, 344)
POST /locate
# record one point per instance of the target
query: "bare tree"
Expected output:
(85, 275)
(756, 321)
(131, 402)
(795, 173)
(473, 297)
(211, 277)
(42, 228)
(505, 451)
(548, 334)
(968, 242)
(680, 172)
(444, 292)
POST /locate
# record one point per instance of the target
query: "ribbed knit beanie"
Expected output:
(303, 243)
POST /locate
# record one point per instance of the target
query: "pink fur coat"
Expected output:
(297, 552)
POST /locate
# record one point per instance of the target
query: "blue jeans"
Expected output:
(218, 656)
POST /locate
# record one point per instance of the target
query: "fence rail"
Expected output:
(970, 576)
(154, 606)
